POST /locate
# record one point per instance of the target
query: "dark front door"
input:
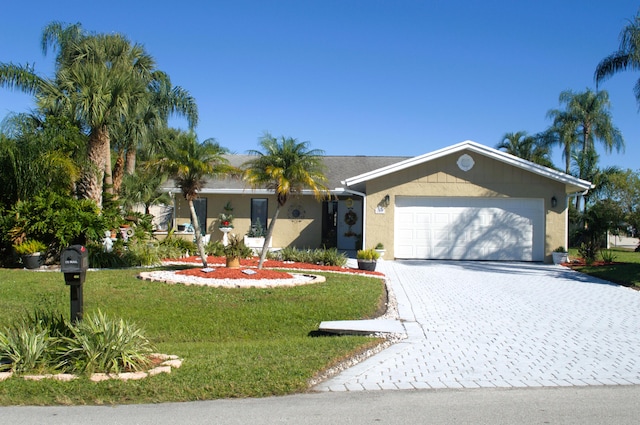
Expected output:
(329, 224)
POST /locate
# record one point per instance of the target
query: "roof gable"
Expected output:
(573, 184)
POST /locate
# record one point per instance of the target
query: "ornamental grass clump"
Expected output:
(103, 344)
(25, 349)
(46, 342)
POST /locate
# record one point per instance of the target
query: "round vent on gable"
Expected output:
(465, 162)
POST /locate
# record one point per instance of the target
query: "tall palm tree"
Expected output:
(587, 119)
(287, 167)
(99, 80)
(148, 118)
(627, 57)
(101, 76)
(527, 147)
(563, 132)
(189, 163)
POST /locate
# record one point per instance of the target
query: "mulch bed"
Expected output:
(227, 273)
(252, 263)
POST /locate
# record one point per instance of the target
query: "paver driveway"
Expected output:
(476, 324)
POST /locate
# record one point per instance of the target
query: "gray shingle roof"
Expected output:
(338, 168)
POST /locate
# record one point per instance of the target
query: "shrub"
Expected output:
(256, 230)
(215, 248)
(236, 248)
(367, 254)
(45, 341)
(30, 247)
(175, 247)
(608, 256)
(58, 221)
(24, 348)
(327, 257)
(102, 344)
(560, 249)
(98, 258)
(142, 253)
(588, 251)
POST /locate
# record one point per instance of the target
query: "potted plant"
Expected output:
(235, 250)
(32, 253)
(380, 249)
(367, 259)
(560, 255)
(254, 238)
(225, 219)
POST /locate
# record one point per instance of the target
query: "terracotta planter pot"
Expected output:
(233, 263)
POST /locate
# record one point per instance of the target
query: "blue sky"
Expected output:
(353, 77)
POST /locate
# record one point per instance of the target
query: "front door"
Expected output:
(349, 226)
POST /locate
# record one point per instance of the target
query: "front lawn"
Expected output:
(234, 342)
(625, 270)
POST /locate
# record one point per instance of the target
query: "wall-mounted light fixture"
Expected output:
(385, 201)
(554, 202)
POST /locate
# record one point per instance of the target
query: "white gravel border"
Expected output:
(173, 277)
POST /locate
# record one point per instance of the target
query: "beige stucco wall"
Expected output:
(442, 177)
(299, 233)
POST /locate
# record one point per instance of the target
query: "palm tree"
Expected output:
(585, 120)
(146, 120)
(287, 167)
(601, 178)
(144, 188)
(101, 76)
(627, 57)
(189, 163)
(562, 132)
(99, 81)
(527, 147)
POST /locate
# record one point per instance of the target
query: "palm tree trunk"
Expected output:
(108, 178)
(130, 162)
(118, 173)
(196, 227)
(91, 182)
(267, 238)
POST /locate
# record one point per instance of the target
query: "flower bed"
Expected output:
(272, 264)
(227, 273)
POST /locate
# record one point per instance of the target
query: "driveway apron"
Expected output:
(487, 324)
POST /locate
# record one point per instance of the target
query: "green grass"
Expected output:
(625, 270)
(234, 342)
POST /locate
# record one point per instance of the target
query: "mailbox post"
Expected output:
(74, 262)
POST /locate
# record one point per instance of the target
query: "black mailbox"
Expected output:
(74, 262)
(74, 259)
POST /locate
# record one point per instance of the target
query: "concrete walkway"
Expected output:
(476, 324)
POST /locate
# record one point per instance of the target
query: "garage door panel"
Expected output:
(469, 228)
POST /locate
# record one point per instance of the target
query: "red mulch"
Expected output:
(219, 263)
(226, 273)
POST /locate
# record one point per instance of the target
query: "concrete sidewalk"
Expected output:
(476, 324)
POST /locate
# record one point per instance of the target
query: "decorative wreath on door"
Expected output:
(351, 218)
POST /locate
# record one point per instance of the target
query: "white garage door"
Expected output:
(504, 229)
